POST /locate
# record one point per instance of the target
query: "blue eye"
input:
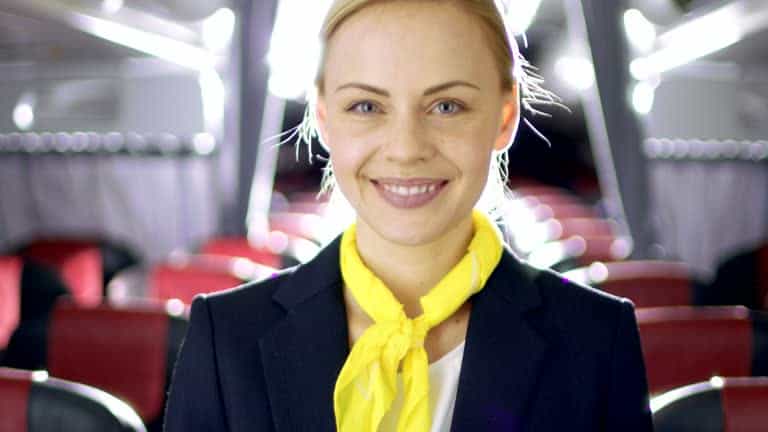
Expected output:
(366, 107)
(448, 107)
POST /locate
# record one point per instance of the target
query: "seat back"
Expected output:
(683, 345)
(239, 247)
(14, 394)
(128, 351)
(646, 283)
(33, 402)
(185, 277)
(79, 264)
(718, 405)
(10, 298)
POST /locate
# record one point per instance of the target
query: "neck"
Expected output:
(411, 271)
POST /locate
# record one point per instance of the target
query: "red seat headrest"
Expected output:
(79, 264)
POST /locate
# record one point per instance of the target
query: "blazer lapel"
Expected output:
(503, 352)
(303, 354)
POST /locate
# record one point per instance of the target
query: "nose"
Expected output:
(408, 142)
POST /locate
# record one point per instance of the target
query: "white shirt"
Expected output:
(443, 383)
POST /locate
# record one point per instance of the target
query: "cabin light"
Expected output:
(640, 31)
(24, 112)
(111, 7)
(180, 53)
(690, 41)
(643, 95)
(213, 93)
(294, 51)
(520, 17)
(576, 72)
(218, 29)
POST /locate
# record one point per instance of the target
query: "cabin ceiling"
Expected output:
(26, 39)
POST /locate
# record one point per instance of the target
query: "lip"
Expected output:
(409, 201)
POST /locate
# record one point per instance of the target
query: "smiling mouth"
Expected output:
(409, 193)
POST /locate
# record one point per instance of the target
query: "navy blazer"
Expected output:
(541, 354)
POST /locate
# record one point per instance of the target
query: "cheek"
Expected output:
(348, 153)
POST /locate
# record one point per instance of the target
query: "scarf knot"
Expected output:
(367, 383)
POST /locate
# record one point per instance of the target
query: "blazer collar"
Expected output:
(304, 353)
(503, 352)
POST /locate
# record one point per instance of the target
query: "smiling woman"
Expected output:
(417, 318)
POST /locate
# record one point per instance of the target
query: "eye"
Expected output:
(365, 107)
(448, 107)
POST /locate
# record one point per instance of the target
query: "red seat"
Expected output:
(719, 405)
(10, 297)
(78, 262)
(278, 249)
(128, 351)
(646, 283)
(240, 247)
(683, 345)
(33, 402)
(185, 276)
(14, 392)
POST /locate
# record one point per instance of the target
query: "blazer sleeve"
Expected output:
(195, 402)
(628, 403)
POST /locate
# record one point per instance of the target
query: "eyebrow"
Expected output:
(432, 90)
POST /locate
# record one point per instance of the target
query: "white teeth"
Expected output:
(410, 191)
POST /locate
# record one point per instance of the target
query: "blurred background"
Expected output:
(139, 166)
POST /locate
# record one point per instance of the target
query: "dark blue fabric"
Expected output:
(542, 354)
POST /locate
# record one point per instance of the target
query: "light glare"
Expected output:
(577, 72)
(294, 51)
(218, 29)
(690, 41)
(642, 97)
(521, 16)
(640, 31)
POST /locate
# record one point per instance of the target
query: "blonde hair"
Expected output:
(513, 68)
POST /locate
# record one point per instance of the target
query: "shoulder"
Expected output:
(571, 307)
(249, 307)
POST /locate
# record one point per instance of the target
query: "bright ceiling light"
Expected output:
(218, 29)
(690, 41)
(294, 51)
(577, 72)
(213, 93)
(111, 6)
(640, 32)
(24, 112)
(642, 97)
(520, 14)
(180, 53)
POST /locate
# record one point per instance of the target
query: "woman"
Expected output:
(416, 318)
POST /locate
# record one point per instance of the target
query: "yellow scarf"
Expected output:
(367, 384)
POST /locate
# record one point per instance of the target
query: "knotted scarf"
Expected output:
(367, 383)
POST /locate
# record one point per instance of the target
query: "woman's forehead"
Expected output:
(407, 42)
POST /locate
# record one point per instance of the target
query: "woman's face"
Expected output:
(411, 110)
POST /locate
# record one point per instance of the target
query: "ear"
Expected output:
(510, 119)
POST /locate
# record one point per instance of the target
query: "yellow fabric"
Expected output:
(367, 383)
